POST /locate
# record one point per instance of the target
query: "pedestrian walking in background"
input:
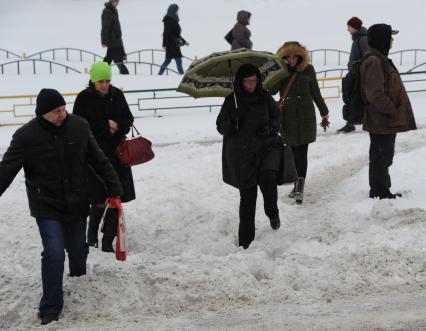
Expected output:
(358, 50)
(172, 39)
(111, 36)
(240, 34)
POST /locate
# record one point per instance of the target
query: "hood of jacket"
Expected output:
(295, 48)
(243, 17)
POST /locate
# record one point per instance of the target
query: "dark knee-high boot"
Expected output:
(93, 228)
(110, 230)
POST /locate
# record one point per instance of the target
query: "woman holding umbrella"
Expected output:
(172, 40)
(298, 111)
(251, 148)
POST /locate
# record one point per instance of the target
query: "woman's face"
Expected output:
(177, 12)
(103, 86)
(250, 84)
(292, 60)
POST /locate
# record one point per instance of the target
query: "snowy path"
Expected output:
(340, 259)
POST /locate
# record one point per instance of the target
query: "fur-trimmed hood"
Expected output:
(293, 47)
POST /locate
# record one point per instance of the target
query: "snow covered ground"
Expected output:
(339, 262)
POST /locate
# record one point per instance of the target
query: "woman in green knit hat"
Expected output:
(105, 108)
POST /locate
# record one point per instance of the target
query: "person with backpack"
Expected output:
(300, 91)
(172, 39)
(387, 108)
(105, 108)
(251, 154)
(55, 150)
(358, 50)
(239, 36)
(111, 36)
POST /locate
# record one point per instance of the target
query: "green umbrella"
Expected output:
(213, 76)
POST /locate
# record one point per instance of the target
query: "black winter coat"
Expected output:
(171, 37)
(255, 146)
(359, 46)
(98, 110)
(111, 28)
(55, 162)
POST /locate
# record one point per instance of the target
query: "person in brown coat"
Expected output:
(387, 108)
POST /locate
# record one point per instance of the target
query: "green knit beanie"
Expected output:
(100, 71)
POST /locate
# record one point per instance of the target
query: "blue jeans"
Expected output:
(57, 236)
(167, 62)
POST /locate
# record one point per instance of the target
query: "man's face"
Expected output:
(57, 116)
(351, 30)
(391, 45)
(103, 86)
(114, 3)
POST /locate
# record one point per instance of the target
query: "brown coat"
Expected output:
(387, 106)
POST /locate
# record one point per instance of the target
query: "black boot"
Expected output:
(386, 195)
(110, 230)
(48, 318)
(94, 221)
(275, 223)
(347, 128)
(300, 187)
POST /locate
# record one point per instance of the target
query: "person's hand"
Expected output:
(113, 126)
(186, 43)
(325, 123)
(165, 48)
(104, 46)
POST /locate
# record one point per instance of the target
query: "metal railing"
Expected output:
(151, 54)
(150, 65)
(34, 62)
(158, 101)
(340, 72)
(325, 52)
(54, 52)
(415, 55)
(9, 53)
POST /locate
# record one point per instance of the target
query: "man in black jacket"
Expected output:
(111, 36)
(55, 150)
(359, 48)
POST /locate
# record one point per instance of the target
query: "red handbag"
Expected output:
(134, 151)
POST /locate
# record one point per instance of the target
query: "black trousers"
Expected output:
(267, 182)
(300, 153)
(382, 151)
(117, 55)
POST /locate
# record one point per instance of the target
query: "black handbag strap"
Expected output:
(134, 129)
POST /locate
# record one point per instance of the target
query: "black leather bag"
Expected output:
(288, 172)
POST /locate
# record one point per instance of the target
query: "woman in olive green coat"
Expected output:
(298, 112)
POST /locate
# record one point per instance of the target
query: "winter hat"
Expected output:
(100, 71)
(379, 37)
(48, 100)
(355, 22)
